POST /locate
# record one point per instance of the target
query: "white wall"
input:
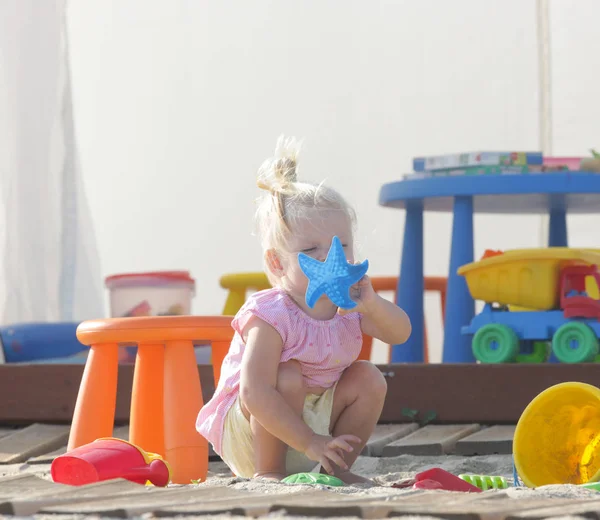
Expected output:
(576, 110)
(177, 103)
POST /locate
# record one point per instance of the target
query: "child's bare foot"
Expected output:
(270, 476)
(352, 478)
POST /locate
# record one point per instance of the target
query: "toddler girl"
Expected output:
(292, 393)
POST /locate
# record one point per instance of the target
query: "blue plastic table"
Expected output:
(555, 194)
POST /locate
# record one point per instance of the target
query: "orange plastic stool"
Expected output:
(166, 395)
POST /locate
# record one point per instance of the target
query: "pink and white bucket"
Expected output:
(160, 293)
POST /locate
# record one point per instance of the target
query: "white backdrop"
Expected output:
(49, 265)
(178, 102)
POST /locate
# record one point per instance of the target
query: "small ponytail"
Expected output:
(280, 172)
(287, 200)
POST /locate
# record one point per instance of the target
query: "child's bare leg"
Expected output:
(357, 405)
(270, 452)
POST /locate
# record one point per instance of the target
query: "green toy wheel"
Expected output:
(575, 342)
(313, 478)
(495, 343)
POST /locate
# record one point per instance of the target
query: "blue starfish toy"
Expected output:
(334, 277)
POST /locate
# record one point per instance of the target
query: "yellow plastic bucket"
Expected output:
(557, 438)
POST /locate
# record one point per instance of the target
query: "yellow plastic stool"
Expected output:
(238, 284)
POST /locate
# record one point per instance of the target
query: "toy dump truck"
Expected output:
(537, 301)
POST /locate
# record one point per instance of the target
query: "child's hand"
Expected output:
(326, 449)
(363, 294)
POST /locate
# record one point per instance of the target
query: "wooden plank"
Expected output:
(384, 434)
(480, 509)
(135, 504)
(250, 504)
(379, 507)
(47, 393)
(488, 441)
(461, 392)
(59, 494)
(203, 500)
(447, 505)
(4, 431)
(433, 439)
(24, 484)
(47, 458)
(32, 440)
(121, 432)
(373, 506)
(421, 497)
(302, 508)
(579, 509)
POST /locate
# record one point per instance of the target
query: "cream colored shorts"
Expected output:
(236, 446)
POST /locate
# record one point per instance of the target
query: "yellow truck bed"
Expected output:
(524, 277)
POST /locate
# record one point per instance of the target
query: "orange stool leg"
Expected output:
(367, 346)
(218, 353)
(185, 449)
(147, 399)
(94, 413)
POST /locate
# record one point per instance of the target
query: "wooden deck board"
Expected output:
(578, 509)
(33, 440)
(26, 495)
(47, 393)
(24, 484)
(384, 434)
(430, 440)
(433, 439)
(30, 504)
(138, 503)
(457, 413)
(484, 509)
(493, 440)
(254, 504)
(5, 430)
(458, 395)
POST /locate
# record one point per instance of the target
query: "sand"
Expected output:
(384, 472)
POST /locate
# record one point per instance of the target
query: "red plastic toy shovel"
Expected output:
(437, 478)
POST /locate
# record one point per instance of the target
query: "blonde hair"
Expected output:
(287, 200)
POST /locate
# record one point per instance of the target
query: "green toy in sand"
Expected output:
(313, 478)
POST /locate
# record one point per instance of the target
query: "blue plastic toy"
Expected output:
(334, 277)
(27, 342)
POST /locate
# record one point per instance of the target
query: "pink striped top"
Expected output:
(324, 350)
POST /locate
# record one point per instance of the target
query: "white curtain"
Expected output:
(49, 265)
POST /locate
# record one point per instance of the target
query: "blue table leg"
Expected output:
(460, 307)
(557, 230)
(410, 285)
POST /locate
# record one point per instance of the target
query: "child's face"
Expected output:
(313, 236)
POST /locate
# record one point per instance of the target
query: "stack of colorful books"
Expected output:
(481, 163)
